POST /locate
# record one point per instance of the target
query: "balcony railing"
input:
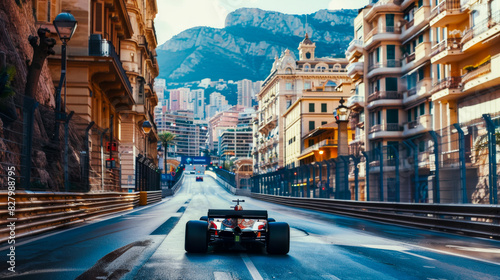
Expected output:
(104, 48)
(412, 91)
(448, 44)
(481, 27)
(481, 70)
(382, 30)
(355, 99)
(410, 58)
(446, 83)
(389, 63)
(446, 6)
(384, 95)
(323, 143)
(386, 127)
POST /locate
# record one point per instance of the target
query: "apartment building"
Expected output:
(288, 80)
(199, 103)
(310, 128)
(418, 67)
(236, 142)
(191, 134)
(111, 67)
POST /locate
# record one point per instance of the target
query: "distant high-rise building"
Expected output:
(218, 103)
(245, 92)
(199, 104)
(179, 99)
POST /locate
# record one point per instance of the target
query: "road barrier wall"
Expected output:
(474, 220)
(36, 212)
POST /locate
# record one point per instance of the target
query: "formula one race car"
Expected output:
(199, 178)
(237, 229)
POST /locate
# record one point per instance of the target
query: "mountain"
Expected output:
(245, 48)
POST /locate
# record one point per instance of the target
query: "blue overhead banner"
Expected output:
(195, 160)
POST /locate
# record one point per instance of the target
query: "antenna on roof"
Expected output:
(306, 24)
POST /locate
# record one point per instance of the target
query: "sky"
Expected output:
(175, 16)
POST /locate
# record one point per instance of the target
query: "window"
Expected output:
(323, 123)
(289, 86)
(391, 52)
(311, 107)
(421, 38)
(311, 142)
(308, 55)
(409, 116)
(389, 21)
(422, 109)
(421, 73)
(392, 116)
(288, 103)
(323, 108)
(307, 85)
(391, 84)
(312, 126)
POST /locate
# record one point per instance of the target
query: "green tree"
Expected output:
(166, 138)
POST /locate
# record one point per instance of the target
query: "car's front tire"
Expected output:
(278, 238)
(196, 237)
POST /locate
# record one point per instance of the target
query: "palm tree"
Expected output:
(166, 138)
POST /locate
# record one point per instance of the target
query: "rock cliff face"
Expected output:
(16, 24)
(247, 45)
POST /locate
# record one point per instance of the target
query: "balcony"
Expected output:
(268, 124)
(445, 88)
(421, 90)
(378, 34)
(383, 6)
(447, 12)
(447, 51)
(355, 69)
(420, 19)
(324, 143)
(485, 75)
(355, 49)
(388, 67)
(355, 101)
(422, 124)
(482, 35)
(385, 130)
(384, 95)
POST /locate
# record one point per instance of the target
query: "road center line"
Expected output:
(251, 267)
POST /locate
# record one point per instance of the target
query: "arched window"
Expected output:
(288, 70)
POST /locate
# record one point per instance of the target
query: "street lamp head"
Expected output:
(146, 127)
(341, 113)
(65, 25)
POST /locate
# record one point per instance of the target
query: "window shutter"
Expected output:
(41, 10)
(53, 10)
(98, 17)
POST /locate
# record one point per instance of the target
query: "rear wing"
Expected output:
(241, 214)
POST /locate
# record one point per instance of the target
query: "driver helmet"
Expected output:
(238, 207)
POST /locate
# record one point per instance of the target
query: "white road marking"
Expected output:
(329, 276)
(251, 267)
(475, 249)
(218, 275)
(456, 255)
(397, 248)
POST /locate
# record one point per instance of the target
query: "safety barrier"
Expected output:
(470, 219)
(149, 197)
(168, 192)
(227, 185)
(36, 212)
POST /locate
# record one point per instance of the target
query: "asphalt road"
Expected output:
(148, 243)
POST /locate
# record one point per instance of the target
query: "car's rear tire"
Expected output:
(271, 220)
(196, 237)
(278, 238)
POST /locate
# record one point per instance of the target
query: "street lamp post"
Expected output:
(65, 25)
(146, 127)
(341, 114)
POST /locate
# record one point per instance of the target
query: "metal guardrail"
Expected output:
(37, 212)
(474, 220)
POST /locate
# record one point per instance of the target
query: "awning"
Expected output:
(415, 34)
(416, 69)
(306, 156)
